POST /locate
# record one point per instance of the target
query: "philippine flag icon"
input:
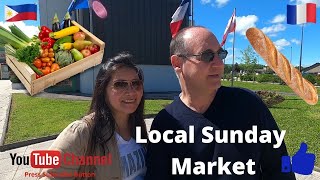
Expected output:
(20, 12)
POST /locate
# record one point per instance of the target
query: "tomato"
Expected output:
(37, 63)
(51, 55)
(46, 70)
(44, 64)
(54, 67)
(38, 76)
(49, 64)
(45, 59)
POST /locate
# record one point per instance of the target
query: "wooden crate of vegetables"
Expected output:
(63, 54)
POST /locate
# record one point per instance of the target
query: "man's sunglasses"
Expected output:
(208, 55)
(125, 85)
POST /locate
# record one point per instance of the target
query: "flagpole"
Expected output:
(224, 63)
(301, 49)
(90, 16)
(224, 47)
(192, 13)
(291, 55)
(234, 37)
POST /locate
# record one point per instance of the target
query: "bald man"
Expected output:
(205, 107)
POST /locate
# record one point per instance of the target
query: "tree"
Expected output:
(269, 70)
(237, 68)
(227, 68)
(249, 59)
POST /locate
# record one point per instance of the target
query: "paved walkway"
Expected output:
(5, 101)
(18, 172)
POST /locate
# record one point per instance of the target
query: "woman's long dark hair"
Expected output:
(102, 116)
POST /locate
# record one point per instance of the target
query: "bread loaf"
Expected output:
(280, 65)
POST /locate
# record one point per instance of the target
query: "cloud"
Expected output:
(28, 30)
(281, 43)
(273, 29)
(245, 22)
(205, 1)
(272, 35)
(221, 3)
(230, 39)
(295, 41)
(229, 49)
(279, 18)
(229, 57)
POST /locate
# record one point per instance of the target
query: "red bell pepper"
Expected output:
(47, 43)
(44, 32)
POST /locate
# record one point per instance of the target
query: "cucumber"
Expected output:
(16, 31)
(66, 39)
(36, 70)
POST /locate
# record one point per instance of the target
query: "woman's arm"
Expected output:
(71, 142)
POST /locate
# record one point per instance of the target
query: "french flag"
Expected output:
(231, 27)
(20, 12)
(302, 13)
(178, 16)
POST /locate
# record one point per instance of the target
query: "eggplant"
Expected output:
(55, 23)
(66, 20)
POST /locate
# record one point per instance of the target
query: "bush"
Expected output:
(269, 78)
(265, 78)
(247, 77)
(227, 77)
(318, 80)
(14, 78)
(310, 77)
(270, 98)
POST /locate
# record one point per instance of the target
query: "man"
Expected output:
(196, 57)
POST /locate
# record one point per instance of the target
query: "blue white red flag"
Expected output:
(302, 13)
(178, 16)
(20, 12)
(231, 27)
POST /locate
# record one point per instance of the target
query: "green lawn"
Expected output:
(33, 117)
(301, 122)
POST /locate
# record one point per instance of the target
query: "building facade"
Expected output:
(141, 27)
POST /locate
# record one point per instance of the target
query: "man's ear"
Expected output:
(176, 63)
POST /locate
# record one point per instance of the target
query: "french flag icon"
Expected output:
(302, 13)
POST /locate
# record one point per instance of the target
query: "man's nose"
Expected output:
(217, 61)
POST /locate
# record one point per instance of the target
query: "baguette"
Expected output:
(280, 65)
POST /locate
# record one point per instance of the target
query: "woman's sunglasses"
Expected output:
(208, 55)
(125, 85)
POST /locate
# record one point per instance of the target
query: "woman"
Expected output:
(102, 145)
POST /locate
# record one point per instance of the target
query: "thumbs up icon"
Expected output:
(302, 162)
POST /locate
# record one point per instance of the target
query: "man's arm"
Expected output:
(157, 160)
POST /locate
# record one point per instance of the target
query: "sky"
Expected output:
(267, 15)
